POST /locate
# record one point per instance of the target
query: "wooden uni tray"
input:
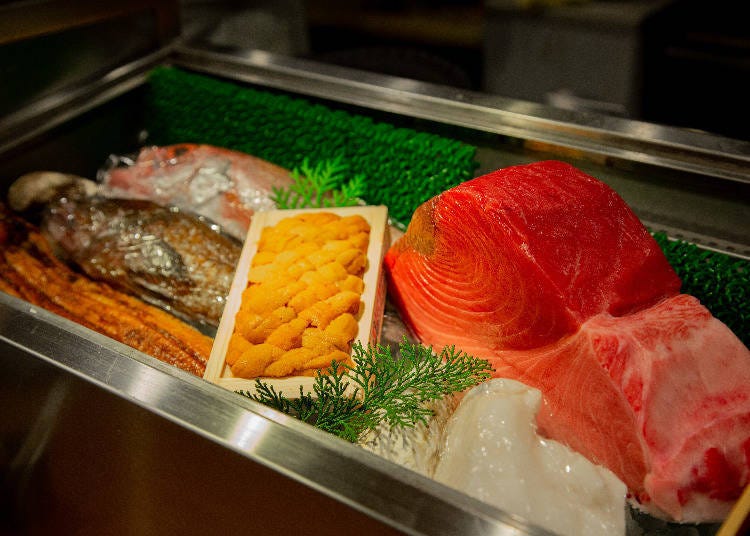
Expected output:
(373, 296)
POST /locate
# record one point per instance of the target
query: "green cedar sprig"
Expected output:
(348, 400)
(327, 184)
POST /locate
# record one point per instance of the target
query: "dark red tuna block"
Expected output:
(521, 257)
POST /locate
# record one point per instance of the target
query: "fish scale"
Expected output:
(162, 255)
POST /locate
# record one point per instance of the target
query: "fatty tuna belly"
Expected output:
(520, 257)
(660, 397)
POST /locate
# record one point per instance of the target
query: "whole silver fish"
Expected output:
(163, 255)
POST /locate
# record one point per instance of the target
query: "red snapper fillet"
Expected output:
(546, 271)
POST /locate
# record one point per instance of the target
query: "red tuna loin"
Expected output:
(522, 256)
(546, 272)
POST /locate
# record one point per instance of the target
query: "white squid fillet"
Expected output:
(492, 452)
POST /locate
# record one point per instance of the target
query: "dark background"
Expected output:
(677, 62)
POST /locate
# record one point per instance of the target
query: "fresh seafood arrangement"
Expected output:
(30, 270)
(161, 255)
(608, 382)
(485, 442)
(308, 285)
(545, 272)
(492, 446)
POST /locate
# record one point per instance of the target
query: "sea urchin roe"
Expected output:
(303, 299)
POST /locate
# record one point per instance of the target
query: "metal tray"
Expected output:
(99, 438)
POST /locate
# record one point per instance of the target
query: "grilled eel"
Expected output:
(29, 270)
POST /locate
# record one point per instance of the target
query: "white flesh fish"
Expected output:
(493, 453)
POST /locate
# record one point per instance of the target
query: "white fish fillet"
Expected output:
(492, 452)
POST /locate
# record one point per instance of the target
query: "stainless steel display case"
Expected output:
(97, 438)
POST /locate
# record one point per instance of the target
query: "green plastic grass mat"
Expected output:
(403, 167)
(719, 281)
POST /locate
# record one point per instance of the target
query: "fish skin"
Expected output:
(162, 255)
(30, 270)
(224, 185)
(634, 375)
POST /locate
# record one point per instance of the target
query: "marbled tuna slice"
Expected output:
(661, 397)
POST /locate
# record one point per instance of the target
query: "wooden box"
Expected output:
(371, 309)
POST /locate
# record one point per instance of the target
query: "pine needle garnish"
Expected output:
(349, 400)
(326, 184)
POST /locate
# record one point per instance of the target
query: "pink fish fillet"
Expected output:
(223, 185)
(547, 272)
(660, 397)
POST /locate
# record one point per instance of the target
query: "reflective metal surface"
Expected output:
(598, 134)
(55, 109)
(691, 185)
(66, 56)
(98, 438)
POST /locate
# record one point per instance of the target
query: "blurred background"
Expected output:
(676, 62)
